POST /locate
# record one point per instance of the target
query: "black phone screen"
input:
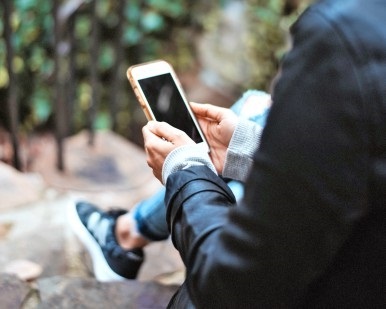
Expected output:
(168, 105)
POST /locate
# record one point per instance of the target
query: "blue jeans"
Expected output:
(150, 214)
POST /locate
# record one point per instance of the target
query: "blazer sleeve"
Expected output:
(306, 190)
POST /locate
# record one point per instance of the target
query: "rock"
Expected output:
(24, 269)
(13, 291)
(62, 292)
(112, 172)
(5, 228)
(173, 278)
(38, 233)
(75, 292)
(18, 188)
(109, 164)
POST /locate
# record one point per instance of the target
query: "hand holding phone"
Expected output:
(157, 149)
(218, 123)
(161, 97)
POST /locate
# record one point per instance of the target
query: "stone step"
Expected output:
(71, 292)
(36, 241)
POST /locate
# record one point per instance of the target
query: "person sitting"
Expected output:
(310, 231)
(115, 238)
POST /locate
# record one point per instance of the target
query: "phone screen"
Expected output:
(168, 105)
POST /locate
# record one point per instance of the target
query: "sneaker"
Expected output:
(95, 228)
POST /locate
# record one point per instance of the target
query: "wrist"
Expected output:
(184, 157)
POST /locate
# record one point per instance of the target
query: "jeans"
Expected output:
(150, 214)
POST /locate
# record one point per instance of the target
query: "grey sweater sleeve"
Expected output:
(244, 142)
(184, 157)
(238, 161)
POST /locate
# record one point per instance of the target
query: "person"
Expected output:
(310, 231)
(115, 238)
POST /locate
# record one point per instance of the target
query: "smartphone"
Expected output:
(162, 98)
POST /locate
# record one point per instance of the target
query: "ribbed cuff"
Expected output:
(244, 142)
(184, 157)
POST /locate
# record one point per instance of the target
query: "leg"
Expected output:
(96, 230)
(145, 223)
(115, 238)
(126, 233)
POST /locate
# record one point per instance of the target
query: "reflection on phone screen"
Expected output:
(168, 105)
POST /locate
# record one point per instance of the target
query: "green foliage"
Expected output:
(147, 32)
(152, 22)
(174, 9)
(268, 36)
(151, 29)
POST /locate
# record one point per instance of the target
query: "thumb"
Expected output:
(209, 111)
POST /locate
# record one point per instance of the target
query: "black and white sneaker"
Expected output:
(95, 228)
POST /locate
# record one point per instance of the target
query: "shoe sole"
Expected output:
(101, 268)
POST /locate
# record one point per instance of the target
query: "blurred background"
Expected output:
(63, 62)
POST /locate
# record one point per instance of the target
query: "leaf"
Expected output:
(82, 27)
(18, 64)
(25, 4)
(103, 9)
(47, 67)
(4, 77)
(41, 105)
(132, 13)
(152, 22)
(169, 8)
(132, 36)
(102, 121)
(106, 58)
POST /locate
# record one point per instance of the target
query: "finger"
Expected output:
(150, 139)
(209, 111)
(165, 130)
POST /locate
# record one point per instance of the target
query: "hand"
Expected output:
(160, 139)
(218, 125)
